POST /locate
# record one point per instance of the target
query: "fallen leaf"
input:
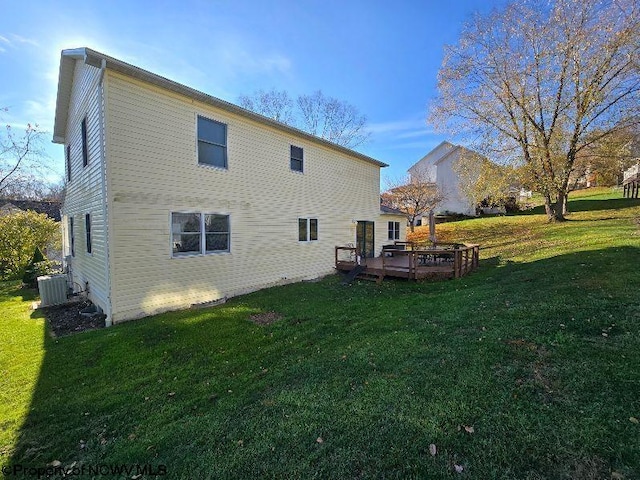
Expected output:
(458, 468)
(433, 450)
(132, 436)
(468, 429)
(56, 463)
(634, 420)
(319, 440)
(617, 476)
(171, 394)
(136, 477)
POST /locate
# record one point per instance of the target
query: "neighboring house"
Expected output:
(437, 166)
(176, 198)
(631, 181)
(51, 209)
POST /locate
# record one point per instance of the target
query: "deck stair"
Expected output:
(353, 273)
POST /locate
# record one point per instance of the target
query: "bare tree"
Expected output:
(326, 117)
(534, 83)
(273, 103)
(413, 195)
(332, 119)
(21, 159)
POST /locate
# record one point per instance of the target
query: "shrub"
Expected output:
(37, 267)
(20, 234)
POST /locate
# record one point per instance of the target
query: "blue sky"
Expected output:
(382, 57)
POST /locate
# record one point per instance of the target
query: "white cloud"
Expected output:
(14, 41)
(238, 59)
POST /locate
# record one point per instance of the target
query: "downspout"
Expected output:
(103, 175)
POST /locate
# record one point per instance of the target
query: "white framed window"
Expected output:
(195, 233)
(394, 231)
(307, 229)
(297, 158)
(212, 142)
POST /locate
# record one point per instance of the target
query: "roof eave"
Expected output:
(91, 57)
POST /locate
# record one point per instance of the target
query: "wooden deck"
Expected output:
(440, 261)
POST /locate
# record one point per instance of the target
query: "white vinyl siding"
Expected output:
(154, 171)
(84, 191)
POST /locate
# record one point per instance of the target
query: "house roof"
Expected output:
(52, 209)
(100, 60)
(390, 211)
(451, 149)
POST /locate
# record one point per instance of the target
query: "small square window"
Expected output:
(212, 142)
(297, 159)
(307, 229)
(394, 231)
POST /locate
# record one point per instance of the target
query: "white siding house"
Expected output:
(178, 198)
(438, 166)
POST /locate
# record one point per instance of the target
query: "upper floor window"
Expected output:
(197, 233)
(307, 229)
(297, 159)
(85, 150)
(212, 142)
(67, 159)
(394, 231)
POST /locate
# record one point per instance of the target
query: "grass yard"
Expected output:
(528, 368)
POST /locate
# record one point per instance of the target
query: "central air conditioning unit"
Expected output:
(53, 290)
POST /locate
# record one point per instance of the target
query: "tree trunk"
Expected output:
(554, 209)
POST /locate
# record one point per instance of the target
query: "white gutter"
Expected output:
(103, 175)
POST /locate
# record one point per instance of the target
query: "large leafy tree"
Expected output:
(538, 83)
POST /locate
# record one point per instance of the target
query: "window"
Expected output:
(394, 230)
(87, 225)
(297, 158)
(85, 153)
(196, 233)
(67, 159)
(216, 228)
(72, 238)
(307, 229)
(212, 142)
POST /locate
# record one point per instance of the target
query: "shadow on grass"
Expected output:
(364, 385)
(586, 205)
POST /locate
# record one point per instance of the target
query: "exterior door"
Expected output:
(365, 241)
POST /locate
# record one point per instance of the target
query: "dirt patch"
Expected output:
(66, 319)
(266, 318)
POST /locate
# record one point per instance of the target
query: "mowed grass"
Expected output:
(527, 369)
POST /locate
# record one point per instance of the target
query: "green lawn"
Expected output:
(537, 354)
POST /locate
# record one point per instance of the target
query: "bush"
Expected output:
(20, 234)
(37, 267)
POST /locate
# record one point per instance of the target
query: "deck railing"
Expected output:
(455, 260)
